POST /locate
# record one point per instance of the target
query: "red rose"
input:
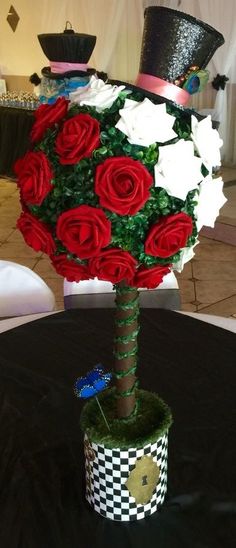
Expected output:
(113, 265)
(122, 185)
(69, 269)
(84, 230)
(46, 116)
(36, 234)
(150, 277)
(34, 177)
(77, 139)
(168, 235)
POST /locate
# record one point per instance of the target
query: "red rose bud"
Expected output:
(84, 231)
(149, 277)
(69, 269)
(113, 265)
(78, 138)
(168, 235)
(34, 174)
(122, 185)
(46, 116)
(36, 234)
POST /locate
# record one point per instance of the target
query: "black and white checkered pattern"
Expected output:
(107, 472)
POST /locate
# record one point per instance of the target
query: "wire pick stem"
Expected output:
(99, 405)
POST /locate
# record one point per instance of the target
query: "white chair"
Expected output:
(99, 294)
(22, 291)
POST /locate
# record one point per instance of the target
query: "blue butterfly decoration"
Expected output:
(94, 382)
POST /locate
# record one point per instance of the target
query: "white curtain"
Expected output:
(221, 15)
(102, 19)
(173, 4)
(125, 63)
(54, 19)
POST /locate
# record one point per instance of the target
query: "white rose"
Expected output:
(207, 141)
(210, 200)
(145, 123)
(97, 94)
(178, 171)
(186, 255)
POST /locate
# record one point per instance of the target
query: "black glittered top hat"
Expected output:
(174, 44)
(68, 53)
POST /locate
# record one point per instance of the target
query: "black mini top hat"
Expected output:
(173, 44)
(68, 53)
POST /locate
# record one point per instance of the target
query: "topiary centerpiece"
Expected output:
(115, 187)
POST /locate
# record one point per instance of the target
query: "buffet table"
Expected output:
(191, 364)
(15, 126)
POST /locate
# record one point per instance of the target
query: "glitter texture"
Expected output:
(173, 41)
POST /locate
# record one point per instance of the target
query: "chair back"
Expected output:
(98, 294)
(22, 291)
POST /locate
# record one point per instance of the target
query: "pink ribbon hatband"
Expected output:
(163, 88)
(60, 67)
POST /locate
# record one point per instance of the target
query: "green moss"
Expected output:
(151, 421)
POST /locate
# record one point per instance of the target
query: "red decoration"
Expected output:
(36, 234)
(77, 139)
(46, 116)
(84, 230)
(149, 277)
(122, 185)
(113, 265)
(168, 235)
(69, 269)
(34, 177)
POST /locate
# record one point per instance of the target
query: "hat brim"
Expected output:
(158, 99)
(46, 71)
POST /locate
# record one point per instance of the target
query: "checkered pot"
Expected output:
(110, 473)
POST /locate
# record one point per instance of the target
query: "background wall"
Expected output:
(19, 51)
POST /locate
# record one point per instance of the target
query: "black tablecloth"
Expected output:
(192, 365)
(15, 126)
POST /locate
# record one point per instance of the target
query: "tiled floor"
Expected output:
(207, 283)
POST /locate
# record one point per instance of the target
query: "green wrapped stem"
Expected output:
(126, 348)
(130, 371)
(128, 321)
(127, 338)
